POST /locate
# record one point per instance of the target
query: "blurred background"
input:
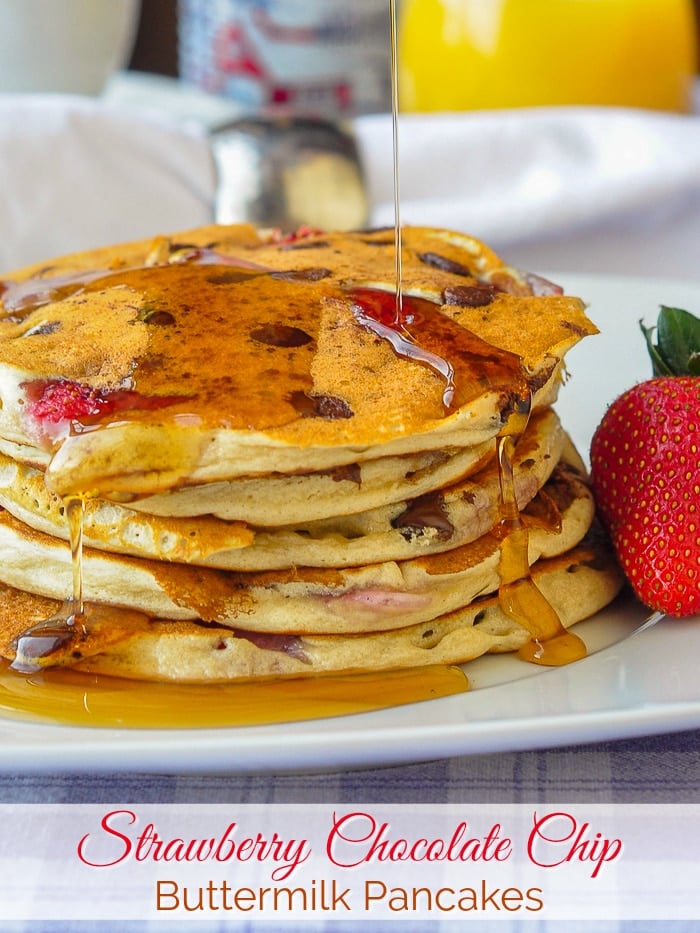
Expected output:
(484, 94)
(333, 57)
(155, 49)
(156, 45)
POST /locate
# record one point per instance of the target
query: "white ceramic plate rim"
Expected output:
(630, 686)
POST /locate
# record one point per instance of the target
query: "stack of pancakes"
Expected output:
(278, 466)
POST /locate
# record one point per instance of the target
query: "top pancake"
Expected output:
(220, 353)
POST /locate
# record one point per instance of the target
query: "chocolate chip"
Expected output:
(444, 264)
(425, 512)
(469, 296)
(159, 318)
(536, 381)
(574, 328)
(281, 335)
(231, 276)
(351, 473)
(302, 244)
(321, 406)
(302, 275)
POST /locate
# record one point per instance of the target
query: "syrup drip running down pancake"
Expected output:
(577, 584)
(262, 440)
(438, 521)
(369, 598)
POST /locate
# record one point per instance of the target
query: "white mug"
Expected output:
(65, 46)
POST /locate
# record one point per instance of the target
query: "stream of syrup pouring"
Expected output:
(519, 597)
(71, 697)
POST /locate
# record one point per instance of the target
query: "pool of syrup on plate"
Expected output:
(71, 697)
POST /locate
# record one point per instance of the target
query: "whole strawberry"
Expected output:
(645, 470)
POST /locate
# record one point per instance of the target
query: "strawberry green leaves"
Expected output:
(677, 348)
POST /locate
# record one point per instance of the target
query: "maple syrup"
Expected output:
(73, 698)
(467, 364)
(57, 636)
(519, 597)
(393, 38)
(75, 514)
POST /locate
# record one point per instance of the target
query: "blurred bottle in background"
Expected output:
(321, 58)
(479, 54)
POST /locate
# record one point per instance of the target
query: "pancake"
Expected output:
(359, 599)
(311, 372)
(577, 585)
(345, 490)
(266, 464)
(261, 500)
(439, 521)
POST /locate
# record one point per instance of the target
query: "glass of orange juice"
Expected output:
(479, 54)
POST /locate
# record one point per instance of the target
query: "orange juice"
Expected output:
(477, 54)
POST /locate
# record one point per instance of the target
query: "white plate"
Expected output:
(642, 685)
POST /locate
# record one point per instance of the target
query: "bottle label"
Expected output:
(316, 57)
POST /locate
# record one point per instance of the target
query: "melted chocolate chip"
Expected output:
(425, 512)
(281, 335)
(303, 244)
(545, 510)
(351, 473)
(513, 404)
(600, 557)
(231, 276)
(574, 328)
(469, 296)
(158, 318)
(302, 275)
(321, 406)
(444, 264)
(541, 378)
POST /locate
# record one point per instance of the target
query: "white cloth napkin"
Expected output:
(573, 189)
(578, 189)
(76, 172)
